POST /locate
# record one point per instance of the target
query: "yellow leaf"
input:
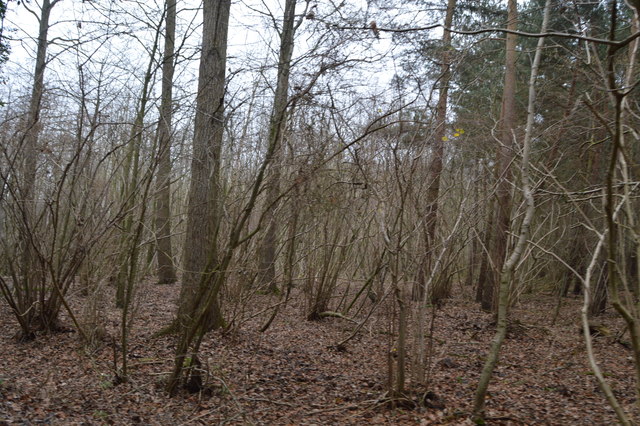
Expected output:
(444, 138)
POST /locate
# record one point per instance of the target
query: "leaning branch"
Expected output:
(613, 43)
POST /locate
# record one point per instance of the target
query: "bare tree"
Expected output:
(435, 168)
(164, 251)
(31, 276)
(204, 208)
(268, 246)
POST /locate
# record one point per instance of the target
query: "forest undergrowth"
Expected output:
(294, 374)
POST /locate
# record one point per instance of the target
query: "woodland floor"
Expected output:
(292, 374)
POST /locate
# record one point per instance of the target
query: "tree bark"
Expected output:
(502, 219)
(164, 252)
(598, 297)
(618, 164)
(31, 275)
(485, 264)
(435, 170)
(203, 211)
(509, 268)
(268, 246)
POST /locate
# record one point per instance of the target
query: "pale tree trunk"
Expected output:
(31, 275)
(509, 268)
(584, 315)
(498, 231)
(268, 247)
(32, 130)
(435, 169)
(203, 211)
(164, 252)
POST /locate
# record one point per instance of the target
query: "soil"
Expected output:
(295, 374)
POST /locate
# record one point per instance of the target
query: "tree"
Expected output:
(500, 219)
(164, 251)
(199, 309)
(204, 208)
(31, 275)
(435, 168)
(618, 166)
(268, 246)
(509, 267)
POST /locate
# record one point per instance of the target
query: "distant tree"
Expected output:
(499, 221)
(268, 246)
(509, 266)
(435, 168)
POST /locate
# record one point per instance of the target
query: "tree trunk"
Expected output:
(268, 247)
(435, 170)
(507, 272)
(164, 252)
(485, 265)
(502, 216)
(203, 211)
(31, 275)
(598, 299)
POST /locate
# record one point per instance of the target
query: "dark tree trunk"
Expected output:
(203, 211)
(435, 168)
(32, 275)
(598, 301)
(164, 251)
(500, 224)
(268, 247)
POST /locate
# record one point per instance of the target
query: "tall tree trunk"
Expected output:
(268, 246)
(31, 275)
(203, 211)
(435, 170)
(199, 308)
(164, 252)
(507, 272)
(501, 221)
